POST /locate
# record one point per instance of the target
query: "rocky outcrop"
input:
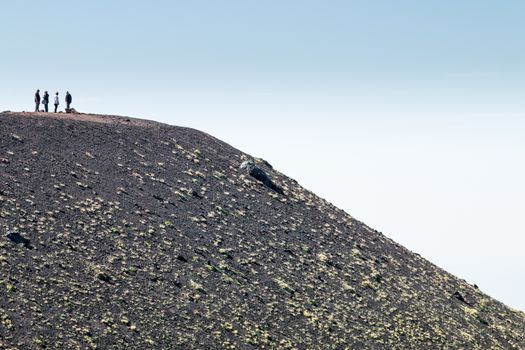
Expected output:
(260, 175)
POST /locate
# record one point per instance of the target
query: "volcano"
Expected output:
(121, 233)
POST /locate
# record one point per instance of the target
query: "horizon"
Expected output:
(408, 116)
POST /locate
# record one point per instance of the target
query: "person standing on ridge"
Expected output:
(57, 102)
(45, 101)
(37, 101)
(69, 99)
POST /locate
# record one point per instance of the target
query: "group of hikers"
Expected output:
(45, 101)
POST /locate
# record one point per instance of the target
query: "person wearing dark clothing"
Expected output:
(37, 100)
(57, 102)
(45, 101)
(69, 99)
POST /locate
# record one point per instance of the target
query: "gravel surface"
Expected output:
(120, 233)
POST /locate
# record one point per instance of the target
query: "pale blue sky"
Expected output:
(407, 114)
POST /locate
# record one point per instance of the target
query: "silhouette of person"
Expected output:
(37, 101)
(69, 99)
(57, 102)
(45, 101)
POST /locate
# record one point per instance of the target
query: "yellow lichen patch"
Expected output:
(322, 257)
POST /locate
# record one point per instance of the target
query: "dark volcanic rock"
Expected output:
(16, 238)
(259, 174)
(459, 297)
(148, 236)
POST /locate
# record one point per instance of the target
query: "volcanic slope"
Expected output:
(120, 233)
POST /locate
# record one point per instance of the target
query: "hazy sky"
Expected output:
(407, 114)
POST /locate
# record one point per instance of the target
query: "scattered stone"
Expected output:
(259, 174)
(459, 297)
(104, 277)
(16, 137)
(195, 194)
(159, 198)
(16, 238)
